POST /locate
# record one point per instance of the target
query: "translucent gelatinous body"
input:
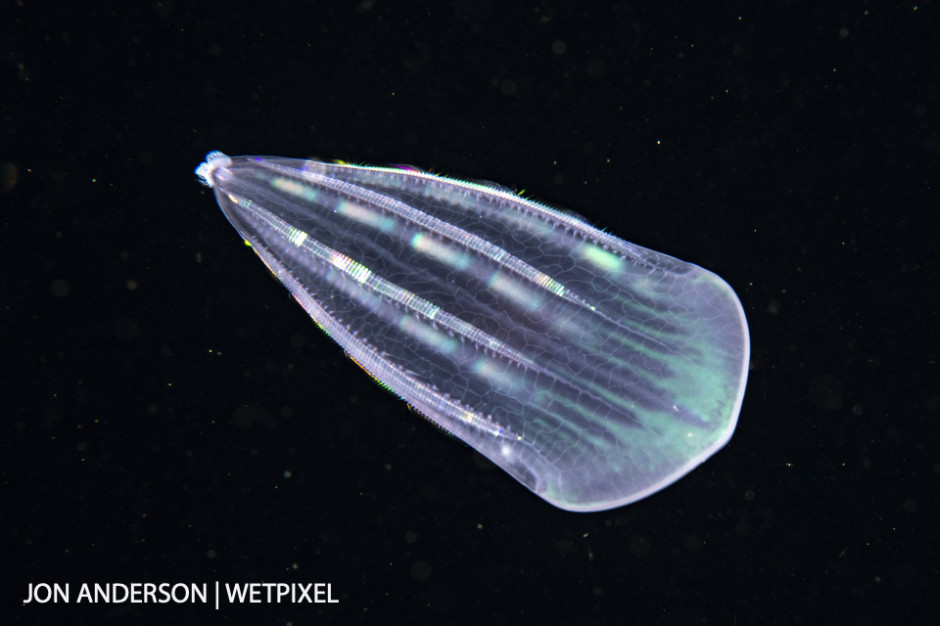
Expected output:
(594, 371)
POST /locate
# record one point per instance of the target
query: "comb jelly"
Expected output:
(594, 371)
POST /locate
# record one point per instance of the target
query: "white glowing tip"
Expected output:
(214, 160)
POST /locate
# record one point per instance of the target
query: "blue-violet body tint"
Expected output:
(594, 371)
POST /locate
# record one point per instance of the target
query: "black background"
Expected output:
(169, 414)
